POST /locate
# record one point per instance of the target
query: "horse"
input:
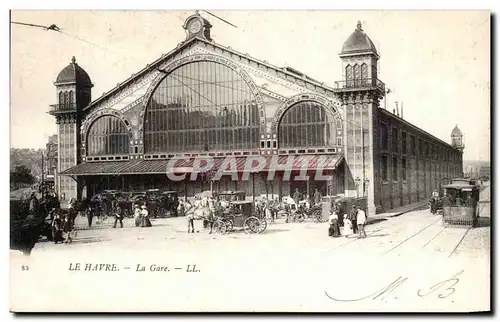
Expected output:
(200, 210)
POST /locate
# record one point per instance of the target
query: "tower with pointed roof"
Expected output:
(360, 91)
(73, 93)
(457, 138)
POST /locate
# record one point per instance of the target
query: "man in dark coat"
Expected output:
(118, 215)
(353, 217)
(296, 196)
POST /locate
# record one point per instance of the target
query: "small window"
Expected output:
(268, 144)
(136, 149)
(403, 168)
(395, 140)
(384, 137)
(413, 145)
(395, 168)
(383, 166)
(275, 144)
(404, 142)
(339, 141)
(262, 144)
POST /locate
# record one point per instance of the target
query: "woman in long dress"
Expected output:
(347, 226)
(145, 215)
(334, 230)
(137, 215)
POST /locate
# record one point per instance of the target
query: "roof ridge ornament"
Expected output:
(359, 26)
(73, 60)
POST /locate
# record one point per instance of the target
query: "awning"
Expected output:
(228, 164)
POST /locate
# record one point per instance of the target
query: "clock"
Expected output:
(194, 26)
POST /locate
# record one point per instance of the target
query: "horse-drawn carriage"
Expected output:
(26, 227)
(170, 202)
(242, 215)
(461, 203)
(299, 212)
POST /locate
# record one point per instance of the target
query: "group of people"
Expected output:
(62, 228)
(316, 198)
(141, 217)
(354, 223)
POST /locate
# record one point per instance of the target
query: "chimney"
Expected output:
(397, 109)
(401, 109)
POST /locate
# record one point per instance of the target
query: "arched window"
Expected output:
(66, 99)
(357, 71)
(364, 74)
(201, 106)
(307, 124)
(108, 135)
(61, 98)
(70, 100)
(349, 76)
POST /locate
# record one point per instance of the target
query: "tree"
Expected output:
(21, 174)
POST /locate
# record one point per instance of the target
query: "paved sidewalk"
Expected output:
(399, 210)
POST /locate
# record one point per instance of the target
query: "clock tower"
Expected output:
(197, 26)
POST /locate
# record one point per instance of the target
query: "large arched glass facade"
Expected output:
(108, 135)
(307, 125)
(201, 106)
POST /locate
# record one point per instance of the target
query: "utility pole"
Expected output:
(42, 169)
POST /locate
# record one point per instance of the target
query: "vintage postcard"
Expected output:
(250, 161)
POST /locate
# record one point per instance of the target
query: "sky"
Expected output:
(436, 62)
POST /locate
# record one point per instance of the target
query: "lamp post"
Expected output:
(365, 186)
(357, 180)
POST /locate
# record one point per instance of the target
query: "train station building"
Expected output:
(207, 101)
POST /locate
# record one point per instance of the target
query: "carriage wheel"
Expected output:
(251, 224)
(229, 224)
(220, 227)
(256, 225)
(262, 225)
(317, 216)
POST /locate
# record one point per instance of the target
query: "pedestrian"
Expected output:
(118, 216)
(145, 217)
(137, 215)
(34, 205)
(333, 230)
(361, 221)
(317, 197)
(296, 196)
(72, 210)
(353, 217)
(90, 215)
(347, 226)
(57, 225)
(67, 227)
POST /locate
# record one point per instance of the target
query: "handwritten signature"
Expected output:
(444, 289)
